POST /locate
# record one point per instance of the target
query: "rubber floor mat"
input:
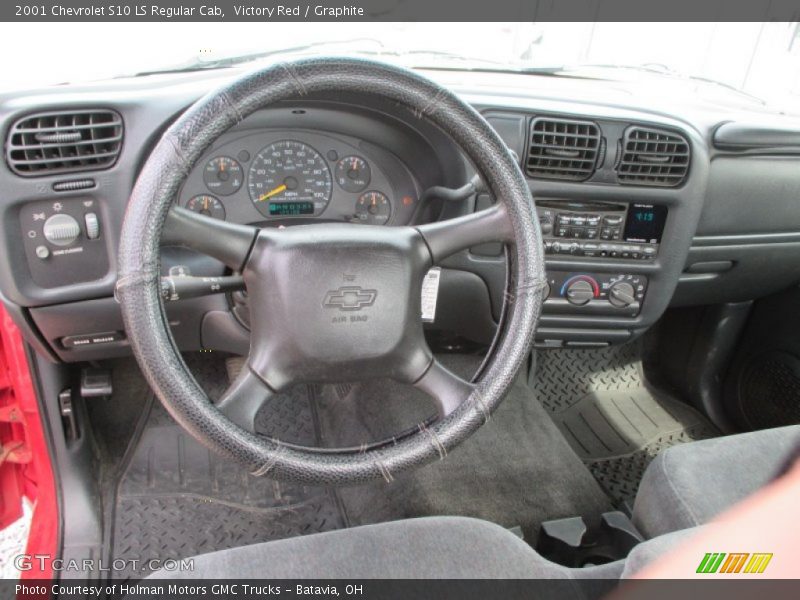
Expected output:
(613, 419)
(176, 499)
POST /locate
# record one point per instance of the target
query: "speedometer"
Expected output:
(289, 178)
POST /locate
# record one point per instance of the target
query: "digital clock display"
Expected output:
(645, 223)
(290, 209)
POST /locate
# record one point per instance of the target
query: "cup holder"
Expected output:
(568, 541)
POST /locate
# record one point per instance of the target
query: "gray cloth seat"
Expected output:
(422, 548)
(689, 484)
(684, 487)
(651, 550)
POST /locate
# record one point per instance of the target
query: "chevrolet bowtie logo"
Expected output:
(350, 298)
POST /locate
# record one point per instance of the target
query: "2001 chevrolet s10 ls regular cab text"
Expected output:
(118, 10)
(174, 12)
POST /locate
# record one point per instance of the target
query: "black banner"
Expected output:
(399, 10)
(404, 589)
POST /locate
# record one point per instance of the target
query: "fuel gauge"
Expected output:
(373, 208)
(208, 205)
(353, 173)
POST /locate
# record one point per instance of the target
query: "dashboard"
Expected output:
(644, 204)
(268, 176)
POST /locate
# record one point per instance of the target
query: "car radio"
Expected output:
(601, 229)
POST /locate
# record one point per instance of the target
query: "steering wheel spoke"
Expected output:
(227, 242)
(445, 238)
(446, 388)
(243, 399)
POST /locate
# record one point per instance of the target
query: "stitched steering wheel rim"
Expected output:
(183, 144)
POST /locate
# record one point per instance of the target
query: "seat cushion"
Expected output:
(651, 550)
(690, 484)
(431, 547)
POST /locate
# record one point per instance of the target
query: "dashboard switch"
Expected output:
(579, 292)
(92, 225)
(622, 294)
(61, 230)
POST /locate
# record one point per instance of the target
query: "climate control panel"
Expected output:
(594, 293)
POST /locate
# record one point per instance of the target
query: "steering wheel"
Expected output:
(329, 302)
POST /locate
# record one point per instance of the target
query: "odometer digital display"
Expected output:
(290, 209)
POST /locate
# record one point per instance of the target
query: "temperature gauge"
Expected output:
(353, 173)
(223, 175)
(373, 208)
(207, 205)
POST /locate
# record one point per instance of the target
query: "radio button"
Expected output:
(592, 220)
(576, 232)
(612, 221)
(579, 220)
(590, 249)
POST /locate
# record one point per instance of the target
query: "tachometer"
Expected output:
(289, 173)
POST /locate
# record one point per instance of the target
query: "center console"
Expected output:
(610, 245)
(622, 232)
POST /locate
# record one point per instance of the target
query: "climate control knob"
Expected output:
(61, 230)
(621, 294)
(579, 292)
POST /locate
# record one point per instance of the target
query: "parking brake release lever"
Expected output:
(183, 286)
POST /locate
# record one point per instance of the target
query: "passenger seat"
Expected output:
(690, 484)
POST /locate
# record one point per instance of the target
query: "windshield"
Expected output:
(760, 59)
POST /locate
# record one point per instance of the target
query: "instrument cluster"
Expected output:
(294, 175)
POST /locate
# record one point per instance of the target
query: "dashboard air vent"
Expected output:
(562, 149)
(653, 157)
(64, 142)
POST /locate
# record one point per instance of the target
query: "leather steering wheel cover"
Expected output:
(158, 184)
